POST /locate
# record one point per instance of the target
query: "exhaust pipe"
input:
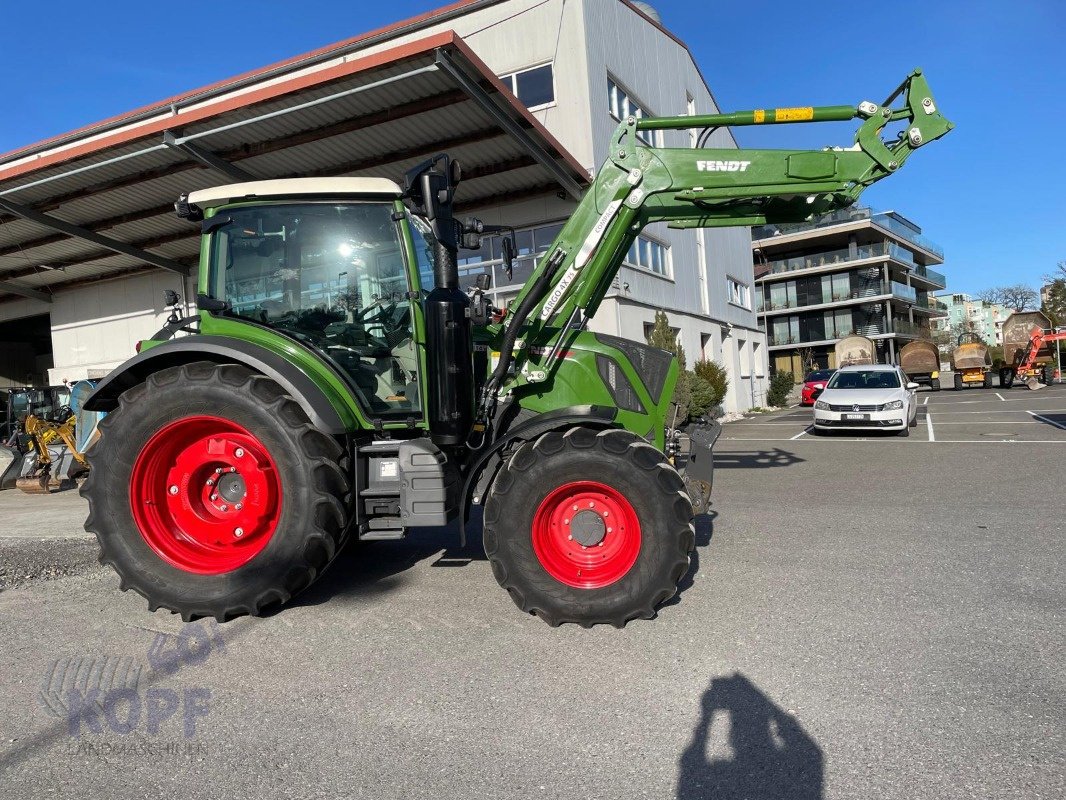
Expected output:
(429, 193)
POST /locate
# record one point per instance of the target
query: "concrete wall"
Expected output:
(95, 327)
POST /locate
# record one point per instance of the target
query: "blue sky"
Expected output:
(991, 192)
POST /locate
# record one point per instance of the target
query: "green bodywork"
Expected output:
(555, 360)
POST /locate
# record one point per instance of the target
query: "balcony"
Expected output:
(930, 275)
(848, 215)
(912, 330)
(875, 291)
(843, 256)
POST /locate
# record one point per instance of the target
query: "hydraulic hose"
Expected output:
(532, 298)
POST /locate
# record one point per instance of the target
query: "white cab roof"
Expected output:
(294, 187)
(867, 368)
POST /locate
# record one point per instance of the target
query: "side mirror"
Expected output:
(483, 281)
(170, 297)
(912, 385)
(508, 256)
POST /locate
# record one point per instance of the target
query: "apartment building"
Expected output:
(855, 271)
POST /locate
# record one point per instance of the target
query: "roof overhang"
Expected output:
(99, 203)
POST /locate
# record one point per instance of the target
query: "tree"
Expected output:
(1017, 297)
(665, 338)
(1055, 305)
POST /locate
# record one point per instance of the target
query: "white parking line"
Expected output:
(926, 401)
(1008, 411)
(801, 433)
(1001, 397)
(929, 424)
(912, 441)
(1045, 419)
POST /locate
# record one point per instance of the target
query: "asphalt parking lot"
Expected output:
(866, 616)
(970, 416)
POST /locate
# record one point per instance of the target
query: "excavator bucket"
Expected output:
(34, 484)
(1034, 384)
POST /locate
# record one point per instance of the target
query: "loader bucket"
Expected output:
(1033, 384)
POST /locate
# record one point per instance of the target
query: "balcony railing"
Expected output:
(931, 275)
(905, 328)
(897, 290)
(879, 218)
(842, 256)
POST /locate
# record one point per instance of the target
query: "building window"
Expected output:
(621, 107)
(534, 87)
(650, 255)
(739, 294)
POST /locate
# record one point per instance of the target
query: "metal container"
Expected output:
(855, 350)
(920, 358)
(970, 355)
(1016, 332)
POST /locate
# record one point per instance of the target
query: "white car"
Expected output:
(865, 397)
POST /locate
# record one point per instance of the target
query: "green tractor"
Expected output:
(337, 383)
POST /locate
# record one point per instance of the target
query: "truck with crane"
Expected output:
(337, 384)
(1027, 351)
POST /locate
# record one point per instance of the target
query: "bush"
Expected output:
(682, 398)
(702, 396)
(716, 377)
(780, 387)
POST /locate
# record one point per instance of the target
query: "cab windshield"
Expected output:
(333, 276)
(865, 379)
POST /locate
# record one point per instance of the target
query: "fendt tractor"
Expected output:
(337, 383)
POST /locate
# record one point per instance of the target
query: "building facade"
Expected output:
(856, 271)
(578, 66)
(966, 314)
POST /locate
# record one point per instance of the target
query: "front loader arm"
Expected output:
(698, 187)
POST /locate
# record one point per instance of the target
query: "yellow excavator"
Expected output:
(52, 455)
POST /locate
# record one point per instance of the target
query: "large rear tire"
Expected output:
(988, 380)
(588, 527)
(959, 385)
(1006, 378)
(211, 494)
(934, 384)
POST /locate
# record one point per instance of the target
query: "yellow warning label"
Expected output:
(760, 116)
(793, 114)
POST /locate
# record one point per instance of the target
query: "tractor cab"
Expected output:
(335, 264)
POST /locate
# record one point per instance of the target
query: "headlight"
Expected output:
(821, 405)
(895, 405)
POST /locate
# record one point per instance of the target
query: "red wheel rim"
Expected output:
(586, 535)
(205, 495)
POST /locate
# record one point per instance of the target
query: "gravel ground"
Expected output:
(864, 618)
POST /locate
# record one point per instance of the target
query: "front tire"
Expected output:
(588, 527)
(988, 380)
(211, 494)
(934, 384)
(959, 385)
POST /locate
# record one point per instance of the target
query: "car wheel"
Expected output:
(904, 433)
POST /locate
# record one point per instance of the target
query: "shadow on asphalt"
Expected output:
(704, 531)
(773, 758)
(757, 459)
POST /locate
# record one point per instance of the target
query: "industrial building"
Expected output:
(853, 272)
(89, 240)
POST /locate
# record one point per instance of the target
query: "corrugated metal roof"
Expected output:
(376, 116)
